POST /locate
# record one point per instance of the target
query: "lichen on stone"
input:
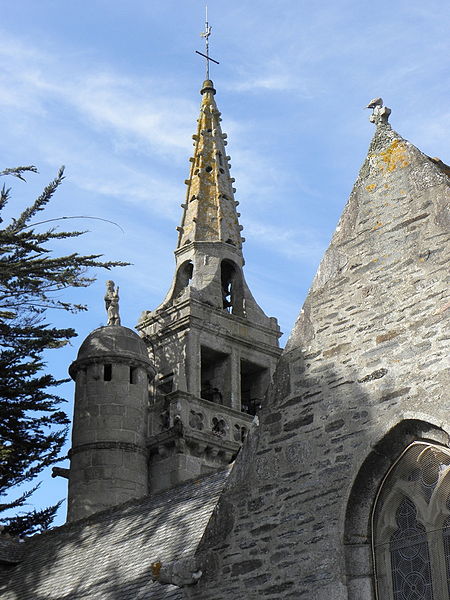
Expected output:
(396, 156)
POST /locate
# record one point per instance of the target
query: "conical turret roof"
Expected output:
(210, 209)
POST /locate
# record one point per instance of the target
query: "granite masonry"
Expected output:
(365, 373)
(108, 458)
(341, 488)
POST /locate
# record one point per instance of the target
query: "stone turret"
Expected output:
(214, 348)
(108, 459)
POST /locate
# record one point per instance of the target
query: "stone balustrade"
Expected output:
(192, 436)
(197, 415)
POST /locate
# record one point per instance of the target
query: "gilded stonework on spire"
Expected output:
(210, 210)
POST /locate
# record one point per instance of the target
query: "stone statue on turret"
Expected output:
(112, 303)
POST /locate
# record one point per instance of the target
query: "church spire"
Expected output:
(214, 348)
(210, 209)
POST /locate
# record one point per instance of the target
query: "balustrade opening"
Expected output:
(254, 384)
(164, 384)
(215, 376)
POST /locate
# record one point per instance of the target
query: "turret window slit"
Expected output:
(107, 372)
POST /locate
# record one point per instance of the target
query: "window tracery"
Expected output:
(411, 526)
(410, 559)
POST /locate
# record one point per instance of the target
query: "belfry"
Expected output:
(213, 347)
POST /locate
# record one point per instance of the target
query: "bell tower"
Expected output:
(213, 347)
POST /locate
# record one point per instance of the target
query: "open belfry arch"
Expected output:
(213, 347)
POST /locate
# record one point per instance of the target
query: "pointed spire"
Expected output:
(210, 209)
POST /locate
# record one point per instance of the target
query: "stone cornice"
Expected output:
(211, 248)
(130, 360)
(171, 325)
(209, 440)
(106, 445)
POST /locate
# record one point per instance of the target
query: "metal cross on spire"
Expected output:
(205, 34)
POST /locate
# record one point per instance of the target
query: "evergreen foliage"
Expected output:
(33, 427)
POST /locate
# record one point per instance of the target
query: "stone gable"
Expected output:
(365, 372)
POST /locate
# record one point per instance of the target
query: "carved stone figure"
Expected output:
(112, 303)
(380, 113)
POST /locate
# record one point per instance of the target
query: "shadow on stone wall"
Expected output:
(294, 520)
(108, 555)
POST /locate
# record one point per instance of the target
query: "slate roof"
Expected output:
(107, 556)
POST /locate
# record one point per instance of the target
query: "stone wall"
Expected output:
(365, 372)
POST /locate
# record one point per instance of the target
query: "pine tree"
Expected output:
(33, 427)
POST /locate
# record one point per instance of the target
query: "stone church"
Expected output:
(207, 464)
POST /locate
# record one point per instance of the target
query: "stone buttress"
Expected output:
(367, 363)
(214, 348)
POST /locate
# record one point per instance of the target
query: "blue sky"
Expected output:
(111, 90)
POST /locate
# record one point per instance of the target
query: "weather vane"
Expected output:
(205, 34)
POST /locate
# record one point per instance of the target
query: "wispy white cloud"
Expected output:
(275, 76)
(297, 244)
(104, 99)
(99, 121)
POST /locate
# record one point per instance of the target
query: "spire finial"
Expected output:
(205, 34)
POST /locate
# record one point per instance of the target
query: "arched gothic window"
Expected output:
(411, 526)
